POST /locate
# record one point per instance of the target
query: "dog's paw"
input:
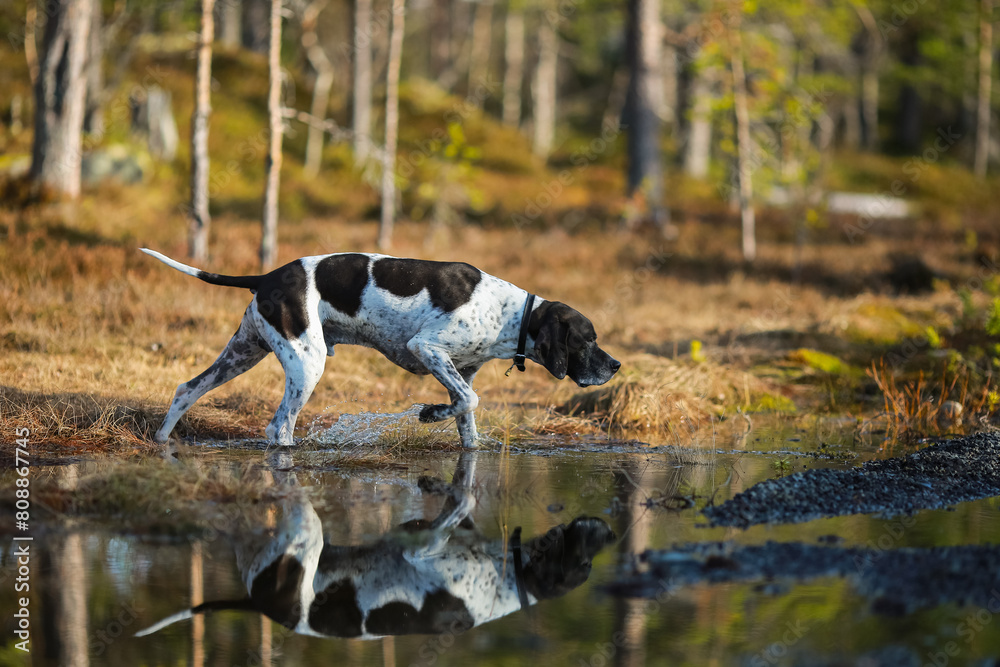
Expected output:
(433, 413)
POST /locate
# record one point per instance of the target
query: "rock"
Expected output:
(950, 413)
(113, 162)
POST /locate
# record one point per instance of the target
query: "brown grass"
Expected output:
(151, 495)
(96, 336)
(916, 408)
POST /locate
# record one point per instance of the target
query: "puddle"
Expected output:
(301, 561)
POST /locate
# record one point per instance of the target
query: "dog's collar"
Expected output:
(522, 336)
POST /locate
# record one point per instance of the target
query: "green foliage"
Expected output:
(968, 307)
(992, 400)
(933, 338)
(993, 318)
(444, 185)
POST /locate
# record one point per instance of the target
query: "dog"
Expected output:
(445, 319)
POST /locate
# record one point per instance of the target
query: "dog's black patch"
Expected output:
(449, 284)
(441, 612)
(341, 279)
(275, 591)
(281, 299)
(335, 610)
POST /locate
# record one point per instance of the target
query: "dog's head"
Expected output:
(566, 344)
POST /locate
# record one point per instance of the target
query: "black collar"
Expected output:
(522, 336)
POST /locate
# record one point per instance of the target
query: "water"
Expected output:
(97, 581)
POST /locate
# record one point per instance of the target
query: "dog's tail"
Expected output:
(203, 608)
(247, 282)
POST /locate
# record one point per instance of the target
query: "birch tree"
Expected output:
(543, 90)
(744, 148)
(697, 150)
(644, 40)
(513, 75)
(199, 219)
(482, 36)
(362, 100)
(269, 238)
(985, 88)
(321, 64)
(391, 125)
(60, 94)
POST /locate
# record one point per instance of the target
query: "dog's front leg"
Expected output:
(467, 422)
(463, 398)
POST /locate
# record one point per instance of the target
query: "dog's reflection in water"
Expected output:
(424, 577)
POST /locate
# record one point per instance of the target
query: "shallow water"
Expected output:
(93, 588)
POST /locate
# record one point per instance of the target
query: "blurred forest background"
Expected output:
(766, 184)
(748, 104)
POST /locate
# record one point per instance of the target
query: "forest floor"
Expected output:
(97, 335)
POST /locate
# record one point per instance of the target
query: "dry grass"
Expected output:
(96, 336)
(916, 408)
(154, 495)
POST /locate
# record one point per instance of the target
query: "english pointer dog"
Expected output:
(445, 319)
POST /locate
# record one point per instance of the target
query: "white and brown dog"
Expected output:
(442, 318)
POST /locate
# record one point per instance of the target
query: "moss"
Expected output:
(771, 403)
(824, 363)
(881, 324)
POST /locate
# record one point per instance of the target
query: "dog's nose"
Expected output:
(615, 365)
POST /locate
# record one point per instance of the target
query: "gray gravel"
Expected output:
(940, 475)
(895, 581)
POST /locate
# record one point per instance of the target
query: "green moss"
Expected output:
(824, 363)
(771, 403)
(881, 324)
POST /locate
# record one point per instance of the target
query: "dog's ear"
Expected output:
(551, 347)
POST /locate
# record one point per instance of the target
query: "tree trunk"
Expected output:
(30, 47)
(440, 37)
(460, 45)
(254, 25)
(321, 87)
(870, 57)
(697, 151)
(479, 56)
(93, 113)
(668, 87)
(744, 147)
(60, 93)
(544, 88)
(644, 98)
(391, 125)
(985, 88)
(513, 77)
(850, 113)
(909, 104)
(362, 116)
(199, 219)
(269, 239)
(228, 16)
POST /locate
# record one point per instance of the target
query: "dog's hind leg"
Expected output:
(242, 353)
(303, 360)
